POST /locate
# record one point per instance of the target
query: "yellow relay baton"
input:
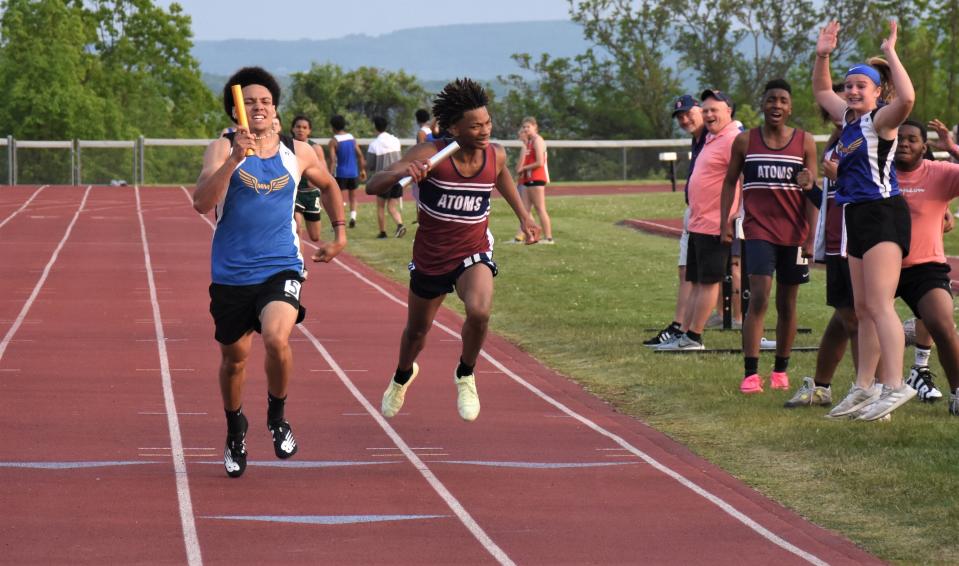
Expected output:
(240, 110)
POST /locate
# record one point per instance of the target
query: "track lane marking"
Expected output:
(24, 205)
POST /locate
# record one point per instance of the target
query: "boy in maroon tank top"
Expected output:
(453, 248)
(777, 225)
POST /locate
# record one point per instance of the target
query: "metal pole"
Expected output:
(15, 162)
(142, 152)
(624, 162)
(77, 176)
(10, 179)
(672, 174)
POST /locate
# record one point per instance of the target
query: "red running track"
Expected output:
(114, 433)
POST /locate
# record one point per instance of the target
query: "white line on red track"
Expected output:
(187, 520)
(24, 205)
(43, 278)
(682, 480)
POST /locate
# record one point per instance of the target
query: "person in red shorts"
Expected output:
(453, 247)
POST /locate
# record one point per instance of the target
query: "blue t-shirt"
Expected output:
(346, 156)
(256, 235)
(865, 163)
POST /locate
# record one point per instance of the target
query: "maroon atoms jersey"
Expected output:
(772, 199)
(453, 215)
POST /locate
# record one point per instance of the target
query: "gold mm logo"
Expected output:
(255, 184)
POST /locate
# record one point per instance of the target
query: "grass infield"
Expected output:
(581, 306)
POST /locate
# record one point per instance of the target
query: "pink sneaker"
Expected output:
(752, 384)
(779, 380)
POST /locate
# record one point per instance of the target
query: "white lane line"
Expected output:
(420, 466)
(685, 482)
(43, 278)
(24, 205)
(187, 520)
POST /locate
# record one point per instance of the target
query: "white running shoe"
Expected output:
(680, 343)
(467, 400)
(856, 399)
(888, 401)
(395, 395)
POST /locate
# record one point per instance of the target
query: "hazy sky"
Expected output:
(325, 19)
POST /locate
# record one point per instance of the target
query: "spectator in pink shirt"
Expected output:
(707, 255)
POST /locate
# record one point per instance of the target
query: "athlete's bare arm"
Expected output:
(507, 188)
(219, 161)
(316, 173)
(332, 147)
(414, 164)
(822, 75)
(361, 160)
(731, 184)
(890, 116)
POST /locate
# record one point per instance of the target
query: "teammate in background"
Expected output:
(876, 216)
(307, 212)
(453, 248)
(924, 284)
(383, 153)
(776, 223)
(689, 116)
(521, 137)
(256, 263)
(707, 254)
(533, 173)
(424, 132)
(346, 162)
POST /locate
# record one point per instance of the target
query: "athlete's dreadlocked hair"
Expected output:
(456, 99)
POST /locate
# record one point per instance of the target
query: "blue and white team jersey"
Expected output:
(256, 234)
(346, 156)
(865, 163)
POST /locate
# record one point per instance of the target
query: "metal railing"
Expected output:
(142, 148)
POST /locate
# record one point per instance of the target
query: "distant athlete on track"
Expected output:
(256, 260)
(347, 162)
(453, 248)
(308, 213)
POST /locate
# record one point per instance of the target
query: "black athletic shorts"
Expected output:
(534, 184)
(763, 258)
(706, 259)
(396, 191)
(432, 286)
(916, 281)
(236, 308)
(838, 283)
(308, 204)
(347, 183)
(869, 223)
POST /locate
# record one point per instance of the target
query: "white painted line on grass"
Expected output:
(43, 277)
(24, 205)
(187, 520)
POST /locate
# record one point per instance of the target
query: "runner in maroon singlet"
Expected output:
(452, 248)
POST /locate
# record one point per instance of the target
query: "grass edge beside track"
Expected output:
(580, 307)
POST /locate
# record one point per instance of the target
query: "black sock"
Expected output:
(694, 336)
(275, 406)
(781, 363)
(751, 365)
(402, 375)
(675, 325)
(235, 421)
(821, 384)
(463, 370)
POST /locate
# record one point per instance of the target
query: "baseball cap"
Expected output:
(684, 103)
(718, 95)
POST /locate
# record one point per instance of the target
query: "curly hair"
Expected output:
(456, 99)
(249, 76)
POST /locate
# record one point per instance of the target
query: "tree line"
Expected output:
(118, 69)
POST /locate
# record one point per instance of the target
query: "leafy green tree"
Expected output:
(358, 95)
(47, 94)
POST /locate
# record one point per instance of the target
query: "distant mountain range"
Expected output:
(433, 54)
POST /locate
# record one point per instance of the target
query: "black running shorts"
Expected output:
(236, 308)
(838, 283)
(706, 259)
(432, 286)
(916, 281)
(869, 223)
(764, 258)
(347, 183)
(308, 204)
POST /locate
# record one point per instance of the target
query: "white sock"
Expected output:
(922, 356)
(353, 214)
